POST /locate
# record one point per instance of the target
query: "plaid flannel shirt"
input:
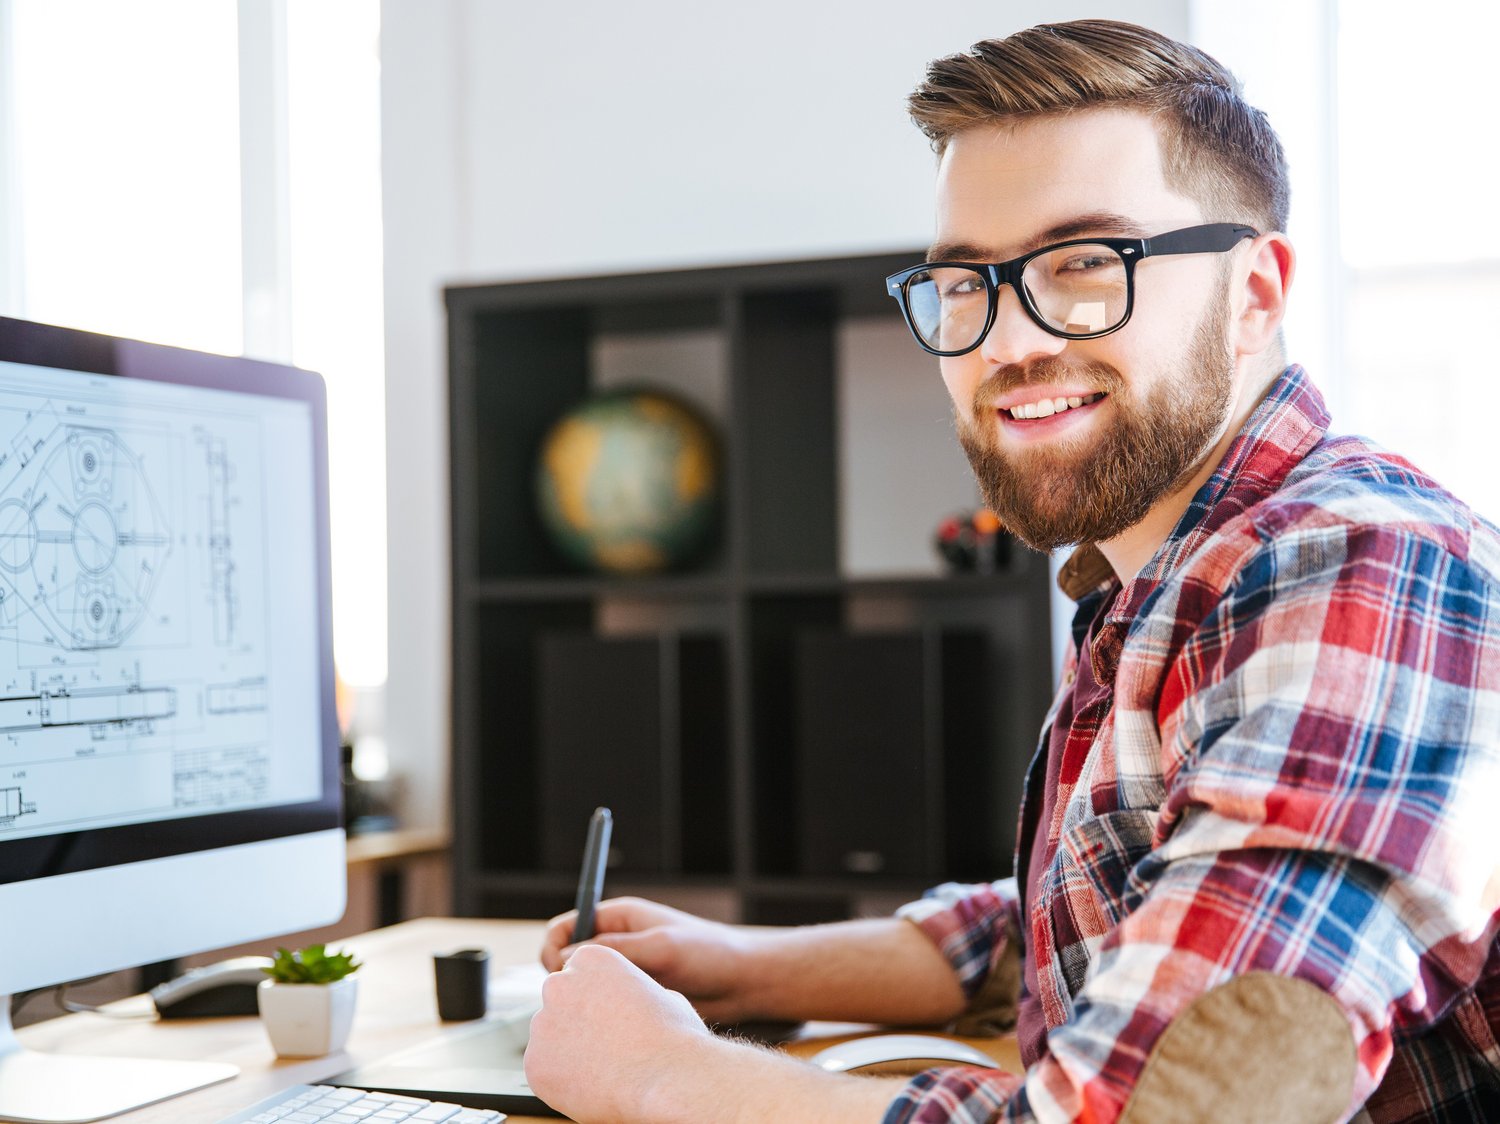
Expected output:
(1298, 780)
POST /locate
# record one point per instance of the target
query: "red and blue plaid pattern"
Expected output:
(1299, 774)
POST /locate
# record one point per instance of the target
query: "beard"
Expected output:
(1091, 489)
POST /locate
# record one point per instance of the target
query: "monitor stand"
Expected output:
(38, 1088)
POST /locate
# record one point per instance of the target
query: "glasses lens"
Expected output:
(1078, 289)
(948, 307)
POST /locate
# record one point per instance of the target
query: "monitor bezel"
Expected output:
(50, 346)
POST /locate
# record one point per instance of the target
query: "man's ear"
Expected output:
(1271, 264)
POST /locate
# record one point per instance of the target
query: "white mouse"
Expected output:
(918, 1050)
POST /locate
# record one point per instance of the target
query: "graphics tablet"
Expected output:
(478, 1068)
(481, 1067)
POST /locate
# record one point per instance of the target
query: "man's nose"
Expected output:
(1015, 338)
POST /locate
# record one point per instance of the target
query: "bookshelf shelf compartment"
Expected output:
(704, 706)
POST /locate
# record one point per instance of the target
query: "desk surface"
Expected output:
(397, 1009)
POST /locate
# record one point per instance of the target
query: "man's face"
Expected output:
(1155, 396)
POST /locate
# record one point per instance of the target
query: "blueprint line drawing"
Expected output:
(34, 434)
(83, 538)
(225, 595)
(216, 777)
(151, 539)
(102, 706)
(237, 698)
(12, 807)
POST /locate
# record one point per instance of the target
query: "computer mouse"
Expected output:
(226, 988)
(899, 1054)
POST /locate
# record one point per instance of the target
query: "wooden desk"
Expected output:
(397, 1009)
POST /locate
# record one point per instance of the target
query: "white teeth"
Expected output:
(1049, 406)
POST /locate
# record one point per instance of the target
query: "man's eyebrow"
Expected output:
(1104, 223)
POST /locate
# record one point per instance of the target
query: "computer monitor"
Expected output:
(169, 771)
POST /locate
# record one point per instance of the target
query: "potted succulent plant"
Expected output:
(307, 1003)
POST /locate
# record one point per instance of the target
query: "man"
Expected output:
(1259, 862)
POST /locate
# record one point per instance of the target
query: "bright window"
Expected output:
(333, 69)
(127, 168)
(124, 192)
(1421, 246)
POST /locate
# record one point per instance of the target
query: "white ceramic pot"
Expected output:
(307, 1020)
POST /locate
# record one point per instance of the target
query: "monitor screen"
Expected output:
(168, 743)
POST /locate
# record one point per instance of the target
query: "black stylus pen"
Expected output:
(591, 877)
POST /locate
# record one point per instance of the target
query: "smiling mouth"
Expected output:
(1046, 407)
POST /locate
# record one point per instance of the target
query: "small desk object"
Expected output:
(397, 1010)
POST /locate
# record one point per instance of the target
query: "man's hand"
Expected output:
(706, 961)
(610, 1046)
(607, 1036)
(882, 970)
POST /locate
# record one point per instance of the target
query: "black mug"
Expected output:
(462, 983)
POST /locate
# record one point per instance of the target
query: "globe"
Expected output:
(628, 483)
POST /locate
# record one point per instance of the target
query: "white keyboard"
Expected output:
(329, 1104)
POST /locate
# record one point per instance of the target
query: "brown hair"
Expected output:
(1215, 146)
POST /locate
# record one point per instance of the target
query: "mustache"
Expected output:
(1051, 369)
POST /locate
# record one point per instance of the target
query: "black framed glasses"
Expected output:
(1080, 289)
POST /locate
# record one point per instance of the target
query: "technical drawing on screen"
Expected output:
(136, 616)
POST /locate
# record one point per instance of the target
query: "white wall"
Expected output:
(1285, 59)
(530, 140)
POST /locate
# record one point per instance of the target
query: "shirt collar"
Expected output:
(1290, 420)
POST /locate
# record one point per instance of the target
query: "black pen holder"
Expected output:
(462, 983)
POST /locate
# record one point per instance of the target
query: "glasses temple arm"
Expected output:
(1211, 238)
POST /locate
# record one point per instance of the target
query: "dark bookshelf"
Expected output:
(762, 735)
